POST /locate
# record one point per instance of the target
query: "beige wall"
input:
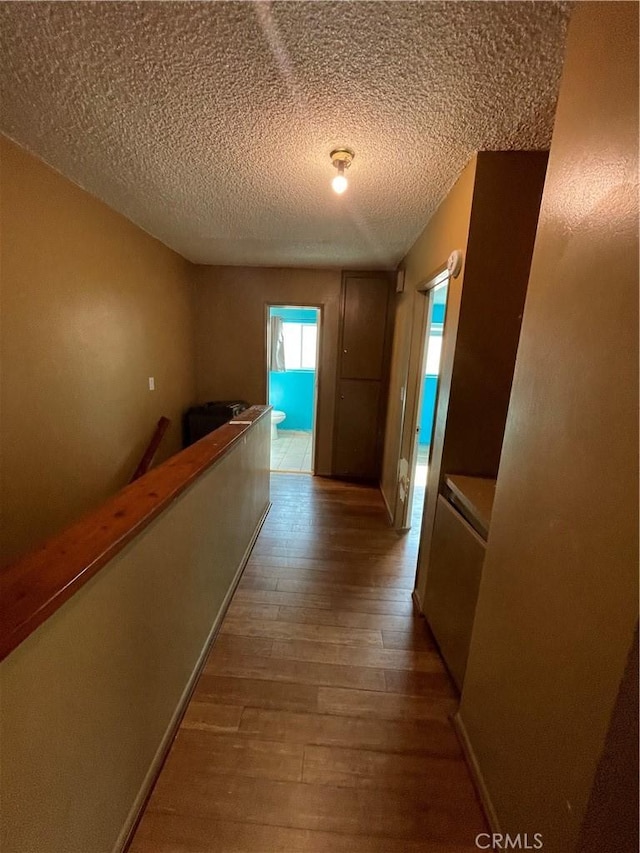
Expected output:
(558, 599)
(91, 307)
(82, 723)
(448, 229)
(231, 328)
(506, 204)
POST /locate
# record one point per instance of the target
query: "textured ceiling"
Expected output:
(210, 124)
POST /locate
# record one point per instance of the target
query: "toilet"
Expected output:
(276, 418)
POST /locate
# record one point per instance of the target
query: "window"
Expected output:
(300, 341)
(434, 349)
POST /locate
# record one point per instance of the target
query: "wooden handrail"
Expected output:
(152, 449)
(36, 585)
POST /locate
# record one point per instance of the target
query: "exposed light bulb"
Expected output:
(339, 184)
(341, 158)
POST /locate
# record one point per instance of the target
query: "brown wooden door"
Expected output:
(362, 375)
(357, 412)
(364, 327)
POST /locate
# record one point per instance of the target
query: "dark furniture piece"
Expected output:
(201, 420)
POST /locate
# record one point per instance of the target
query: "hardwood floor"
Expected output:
(320, 723)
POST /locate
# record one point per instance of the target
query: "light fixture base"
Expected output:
(342, 156)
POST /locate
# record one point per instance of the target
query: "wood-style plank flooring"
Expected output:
(320, 723)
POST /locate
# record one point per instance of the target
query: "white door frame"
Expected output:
(319, 307)
(403, 507)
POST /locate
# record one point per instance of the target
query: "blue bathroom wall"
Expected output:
(295, 315)
(429, 388)
(293, 391)
(437, 315)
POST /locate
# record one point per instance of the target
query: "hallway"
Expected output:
(320, 721)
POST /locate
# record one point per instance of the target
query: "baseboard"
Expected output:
(388, 508)
(415, 595)
(476, 774)
(133, 818)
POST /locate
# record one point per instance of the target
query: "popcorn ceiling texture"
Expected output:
(210, 124)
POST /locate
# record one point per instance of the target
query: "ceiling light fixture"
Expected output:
(341, 158)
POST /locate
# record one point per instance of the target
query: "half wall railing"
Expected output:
(103, 631)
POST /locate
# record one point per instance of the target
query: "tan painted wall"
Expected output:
(231, 327)
(558, 599)
(504, 215)
(447, 230)
(492, 212)
(81, 723)
(91, 307)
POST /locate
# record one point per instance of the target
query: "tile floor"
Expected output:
(420, 485)
(292, 451)
(421, 465)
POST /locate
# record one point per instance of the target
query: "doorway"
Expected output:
(293, 345)
(426, 397)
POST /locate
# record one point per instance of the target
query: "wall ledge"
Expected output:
(38, 584)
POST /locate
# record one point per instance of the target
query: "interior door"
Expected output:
(364, 326)
(362, 373)
(436, 295)
(358, 409)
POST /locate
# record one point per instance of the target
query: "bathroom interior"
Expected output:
(427, 400)
(293, 341)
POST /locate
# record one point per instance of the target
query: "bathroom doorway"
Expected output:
(293, 348)
(413, 488)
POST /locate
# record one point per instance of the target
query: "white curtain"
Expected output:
(276, 356)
